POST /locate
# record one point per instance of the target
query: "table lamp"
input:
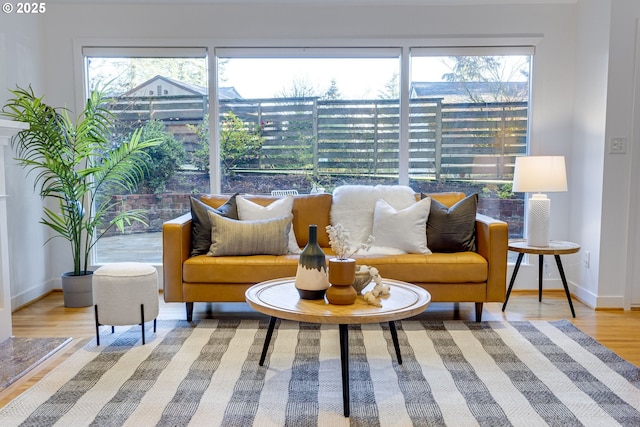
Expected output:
(538, 174)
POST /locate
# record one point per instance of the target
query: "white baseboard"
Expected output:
(31, 294)
(594, 301)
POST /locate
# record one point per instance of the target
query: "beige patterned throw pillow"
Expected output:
(259, 237)
(250, 211)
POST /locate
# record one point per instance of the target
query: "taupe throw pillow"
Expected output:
(452, 229)
(258, 237)
(201, 225)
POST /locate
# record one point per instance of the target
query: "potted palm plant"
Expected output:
(72, 161)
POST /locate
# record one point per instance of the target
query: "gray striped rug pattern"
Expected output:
(453, 373)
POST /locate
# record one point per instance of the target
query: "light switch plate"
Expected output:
(618, 146)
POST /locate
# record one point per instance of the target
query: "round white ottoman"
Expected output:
(125, 293)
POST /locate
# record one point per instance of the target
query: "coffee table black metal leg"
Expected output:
(344, 360)
(267, 339)
(396, 343)
(564, 283)
(513, 279)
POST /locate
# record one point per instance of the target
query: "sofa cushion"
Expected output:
(448, 199)
(453, 229)
(404, 229)
(201, 225)
(238, 269)
(464, 267)
(460, 267)
(233, 237)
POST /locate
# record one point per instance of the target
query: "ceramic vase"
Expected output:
(311, 276)
(362, 280)
(342, 274)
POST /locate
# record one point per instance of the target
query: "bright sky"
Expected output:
(356, 78)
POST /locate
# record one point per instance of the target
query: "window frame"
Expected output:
(405, 51)
(441, 46)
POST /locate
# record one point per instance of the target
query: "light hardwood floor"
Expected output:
(618, 330)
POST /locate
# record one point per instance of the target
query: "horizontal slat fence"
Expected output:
(462, 140)
(166, 108)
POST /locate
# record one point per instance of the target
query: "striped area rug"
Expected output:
(454, 373)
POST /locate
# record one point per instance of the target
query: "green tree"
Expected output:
(200, 155)
(488, 69)
(123, 74)
(240, 143)
(300, 87)
(391, 88)
(164, 159)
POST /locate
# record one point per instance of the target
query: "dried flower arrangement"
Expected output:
(339, 242)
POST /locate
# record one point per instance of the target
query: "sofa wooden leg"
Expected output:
(478, 312)
(189, 311)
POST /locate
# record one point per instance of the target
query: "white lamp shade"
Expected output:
(539, 174)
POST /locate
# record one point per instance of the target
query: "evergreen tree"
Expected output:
(332, 92)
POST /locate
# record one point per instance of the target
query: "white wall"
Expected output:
(21, 64)
(618, 253)
(581, 89)
(587, 153)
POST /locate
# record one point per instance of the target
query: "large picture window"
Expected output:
(314, 119)
(310, 119)
(164, 92)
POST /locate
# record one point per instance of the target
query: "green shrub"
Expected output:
(240, 143)
(505, 191)
(164, 159)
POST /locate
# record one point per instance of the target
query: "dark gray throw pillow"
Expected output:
(201, 225)
(452, 229)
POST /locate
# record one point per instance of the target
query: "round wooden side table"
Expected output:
(555, 248)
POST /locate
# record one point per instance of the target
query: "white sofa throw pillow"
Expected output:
(250, 211)
(404, 229)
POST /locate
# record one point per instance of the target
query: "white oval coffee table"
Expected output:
(279, 299)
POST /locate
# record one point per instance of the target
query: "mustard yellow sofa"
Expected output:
(465, 277)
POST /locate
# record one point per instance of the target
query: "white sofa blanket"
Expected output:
(353, 207)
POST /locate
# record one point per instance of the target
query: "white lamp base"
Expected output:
(538, 220)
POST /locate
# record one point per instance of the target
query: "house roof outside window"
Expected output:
(456, 92)
(165, 86)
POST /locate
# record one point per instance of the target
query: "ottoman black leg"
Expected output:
(142, 322)
(97, 325)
